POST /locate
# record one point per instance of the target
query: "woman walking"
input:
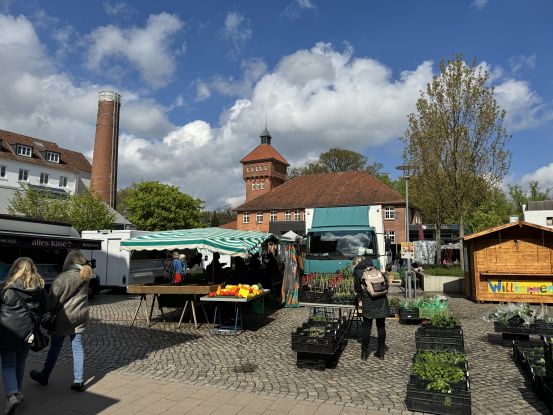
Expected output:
(376, 308)
(22, 304)
(68, 299)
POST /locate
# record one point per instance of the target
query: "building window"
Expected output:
(2, 172)
(273, 216)
(246, 217)
(259, 217)
(287, 215)
(549, 221)
(63, 181)
(297, 215)
(262, 184)
(389, 213)
(256, 168)
(257, 186)
(265, 167)
(43, 178)
(53, 157)
(23, 175)
(391, 236)
(253, 185)
(22, 150)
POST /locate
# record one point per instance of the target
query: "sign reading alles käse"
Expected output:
(520, 287)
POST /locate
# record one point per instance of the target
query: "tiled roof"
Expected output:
(69, 160)
(264, 152)
(354, 188)
(229, 225)
(540, 205)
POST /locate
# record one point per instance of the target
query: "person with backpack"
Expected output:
(68, 305)
(372, 287)
(22, 304)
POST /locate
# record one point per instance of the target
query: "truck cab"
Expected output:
(337, 235)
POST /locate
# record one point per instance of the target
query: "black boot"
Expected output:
(381, 343)
(364, 351)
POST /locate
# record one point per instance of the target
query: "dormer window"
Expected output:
(53, 157)
(22, 150)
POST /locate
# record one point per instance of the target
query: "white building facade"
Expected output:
(539, 212)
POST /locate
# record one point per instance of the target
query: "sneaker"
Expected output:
(20, 397)
(78, 387)
(11, 404)
(39, 377)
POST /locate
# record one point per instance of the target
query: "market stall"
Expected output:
(510, 263)
(224, 241)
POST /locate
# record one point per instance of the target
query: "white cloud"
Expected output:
(119, 8)
(237, 31)
(543, 175)
(252, 69)
(295, 8)
(479, 4)
(148, 48)
(520, 62)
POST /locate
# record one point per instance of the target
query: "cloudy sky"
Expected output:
(199, 78)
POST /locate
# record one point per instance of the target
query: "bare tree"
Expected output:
(460, 122)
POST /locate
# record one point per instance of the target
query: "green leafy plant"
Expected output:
(441, 369)
(393, 302)
(445, 320)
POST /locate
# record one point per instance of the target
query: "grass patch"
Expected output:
(454, 271)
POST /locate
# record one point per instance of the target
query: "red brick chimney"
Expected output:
(106, 143)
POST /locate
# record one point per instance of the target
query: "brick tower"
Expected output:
(263, 168)
(106, 143)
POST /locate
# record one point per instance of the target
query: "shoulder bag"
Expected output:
(36, 339)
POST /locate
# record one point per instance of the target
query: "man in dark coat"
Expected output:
(373, 308)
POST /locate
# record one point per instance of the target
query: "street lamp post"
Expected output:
(410, 278)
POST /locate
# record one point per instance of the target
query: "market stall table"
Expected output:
(238, 327)
(156, 290)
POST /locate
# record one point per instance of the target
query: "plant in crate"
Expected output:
(444, 332)
(442, 372)
(393, 303)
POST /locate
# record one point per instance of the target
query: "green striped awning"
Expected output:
(225, 241)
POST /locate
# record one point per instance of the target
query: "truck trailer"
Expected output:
(117, 268)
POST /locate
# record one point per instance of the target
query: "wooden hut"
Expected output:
(510, 263)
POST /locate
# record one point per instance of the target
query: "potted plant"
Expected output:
(393, 303)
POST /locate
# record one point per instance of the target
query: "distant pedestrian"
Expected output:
(205, 262)
(68, 299)
(376, 308)
(177, 268)
(182, 258)
(22, 303)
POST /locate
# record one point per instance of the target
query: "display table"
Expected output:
(194, 290)
(238, 327)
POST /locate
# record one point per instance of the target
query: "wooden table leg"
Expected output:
(142, 296)
(152, 308)
(146, 310)
(182, 314)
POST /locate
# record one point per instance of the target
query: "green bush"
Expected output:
(454, 271)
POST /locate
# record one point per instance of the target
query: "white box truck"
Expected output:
(117, 268)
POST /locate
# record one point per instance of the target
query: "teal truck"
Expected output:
(336, 235)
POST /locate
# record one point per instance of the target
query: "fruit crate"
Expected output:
(327, 344)
(439, 339)
(409, 316)
(458, 402)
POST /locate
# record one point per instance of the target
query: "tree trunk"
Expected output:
(438, 252)
(461, 235)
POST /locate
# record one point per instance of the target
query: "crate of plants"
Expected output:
(314, 288)
(313, 337)
(439, 384)
(548, 357)
(343, 291)
(444, 332)
(306, 360)
(543, 326)
(409, 312)
(393, 304)
(512, 319)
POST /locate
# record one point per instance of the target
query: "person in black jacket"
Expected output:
(23, 285)
(373, 308)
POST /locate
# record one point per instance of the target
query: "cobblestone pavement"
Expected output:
(261, 360)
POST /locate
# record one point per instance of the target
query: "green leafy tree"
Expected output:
(460, 122)
(83, 211)
(518, 197)
(339, 159)
(495, 210)
(219, 216)
(153, 206)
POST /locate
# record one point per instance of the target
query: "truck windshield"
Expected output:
(341, 244)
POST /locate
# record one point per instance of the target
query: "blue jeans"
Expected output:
(78, 356)
(13, 369)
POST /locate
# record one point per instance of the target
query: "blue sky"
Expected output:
(198, 78)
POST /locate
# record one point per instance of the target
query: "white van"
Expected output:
(116, 268)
